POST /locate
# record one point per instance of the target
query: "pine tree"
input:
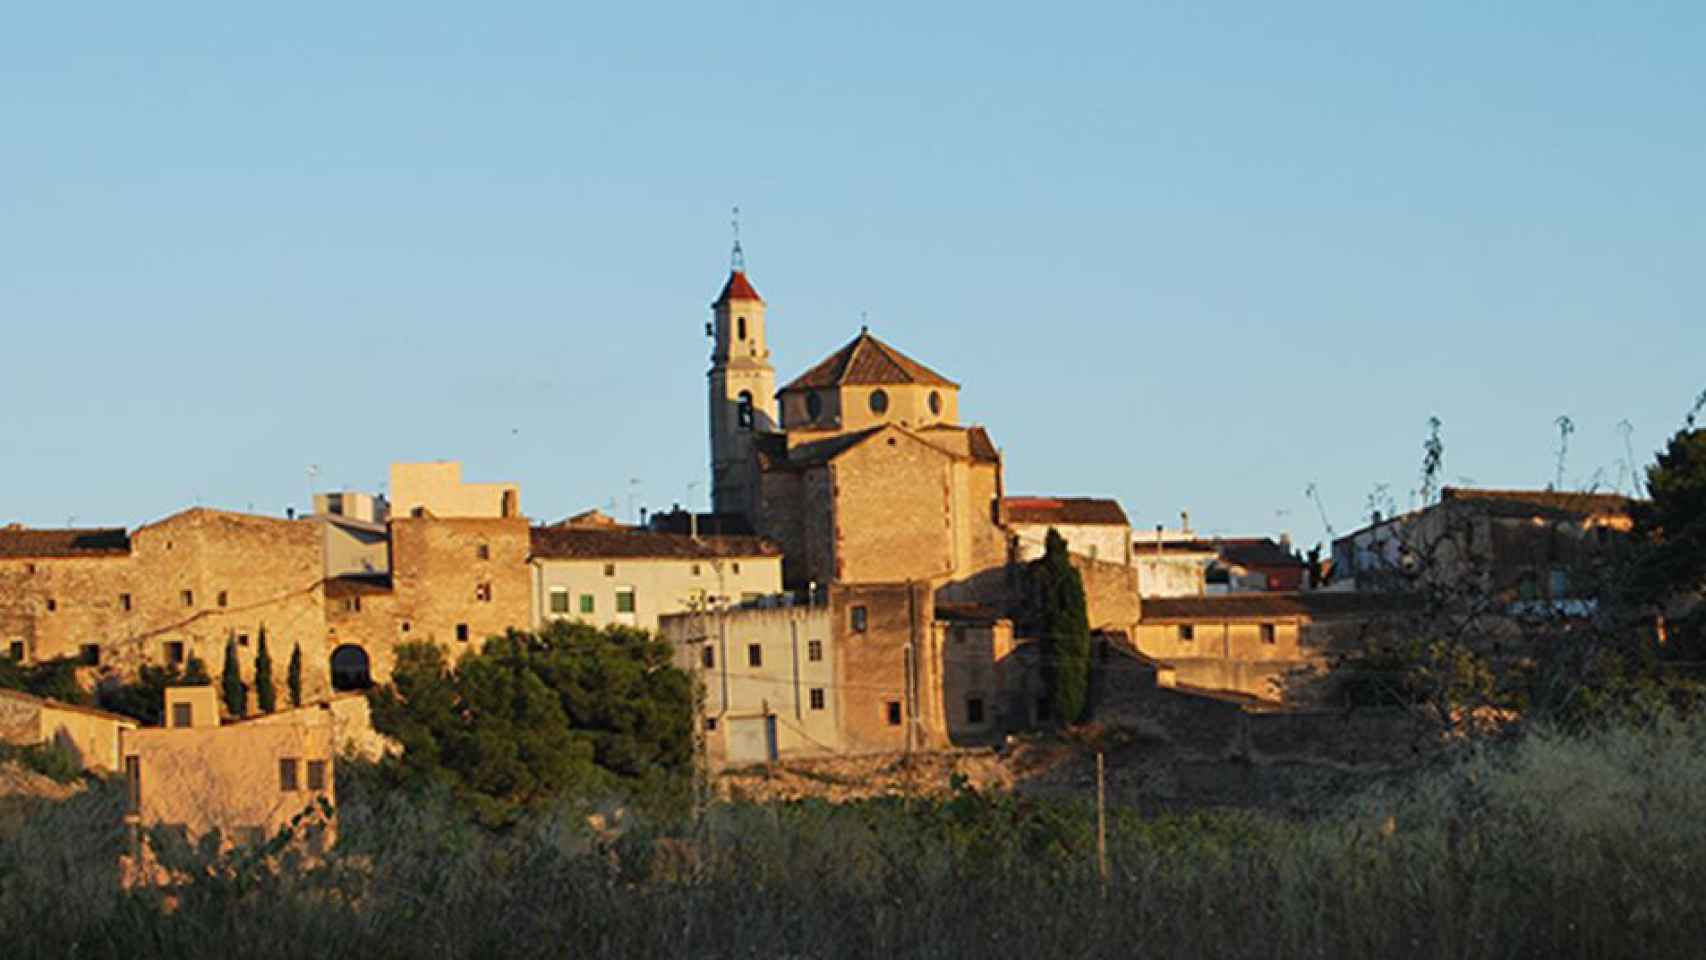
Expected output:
(293, 676)
(236, 695)
(1063, 624)
(266, 695)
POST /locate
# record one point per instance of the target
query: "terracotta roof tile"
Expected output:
(567, 543)
(1073, 510)
(19, 541)
(737, 288)
(867, 361)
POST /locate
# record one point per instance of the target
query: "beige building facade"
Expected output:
(437, 489)
(622, 576)
(246, 780)
(92, 736)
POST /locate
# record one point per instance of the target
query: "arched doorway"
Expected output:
(350, 670)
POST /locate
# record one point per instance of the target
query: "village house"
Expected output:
(1093, 528)
(248, 781)
(609, 575)
(91, 736)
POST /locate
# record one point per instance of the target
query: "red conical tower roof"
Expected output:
(737, 288)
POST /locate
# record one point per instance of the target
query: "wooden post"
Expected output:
(1101, 822)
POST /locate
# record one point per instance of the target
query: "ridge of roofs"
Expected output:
(1236, 606)
(867, 361)
(1555, 500)
(71, 707)
(569, 543)
(1076, 510)
(17, 540)
(737, 287)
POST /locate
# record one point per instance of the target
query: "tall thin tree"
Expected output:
(293, 676)
(266, 695)
(236, 694)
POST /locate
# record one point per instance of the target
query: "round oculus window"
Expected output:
(936, 402)
(879, 401)
(814, 405)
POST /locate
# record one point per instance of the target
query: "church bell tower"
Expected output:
(743, 390)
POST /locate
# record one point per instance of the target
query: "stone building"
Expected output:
(1522, 546)
(173, 589)
(453, 582)
(611, 575)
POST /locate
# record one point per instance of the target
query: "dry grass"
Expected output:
(1588, 847)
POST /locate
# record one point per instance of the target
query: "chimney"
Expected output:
(1185, 520)
(290, 513)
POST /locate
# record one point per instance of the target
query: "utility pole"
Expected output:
(1102, 822)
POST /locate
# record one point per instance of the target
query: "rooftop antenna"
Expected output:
(864, 322)
(737, 257)
(1566, 426)
(1625, 428)
(1315, 495)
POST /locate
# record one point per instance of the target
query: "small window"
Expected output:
(559, 600)
(695, 570)
(936, 402)
(188, 597)
(743, 409)
(352, 604)
(814, 650)
(133, 784)
(287, 775)
(710, 723)
(735, 566)
(1187, 632)
(90, 654)
(625, 601)
(814, 405)
(740, 328)
(16, 649)
(462, 631)
(586, 603)
(124, 602)
(858, 619)
(405, 626)
(817, 698)
(893, 709)
(483, 592)
(755, 655)
(183, 715)
(174, 651)
(708, 656)
(52, 604)
(483, 552)
(610, 569)
(974, 709)
(242, 639)
(316, 774)
(222, 599)
(879, 401)
(1267, 633)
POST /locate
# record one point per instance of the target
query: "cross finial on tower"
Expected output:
(737, 258)
(864, 322)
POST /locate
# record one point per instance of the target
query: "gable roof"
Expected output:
(17, 540)
(737, 287)
(978, 444)
(569, 543)
(1257, 552)
(1066, 510)
(867, 361)
(49, 704)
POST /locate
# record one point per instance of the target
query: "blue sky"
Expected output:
(1194, 256)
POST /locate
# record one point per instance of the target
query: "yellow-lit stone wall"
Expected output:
(872, 667)
(893, 502)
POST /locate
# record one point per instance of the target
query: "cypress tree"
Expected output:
(266, 695)
(236, 695)
(1063, 625)
(293, 676)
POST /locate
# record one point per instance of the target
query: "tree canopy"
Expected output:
(533, 716)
